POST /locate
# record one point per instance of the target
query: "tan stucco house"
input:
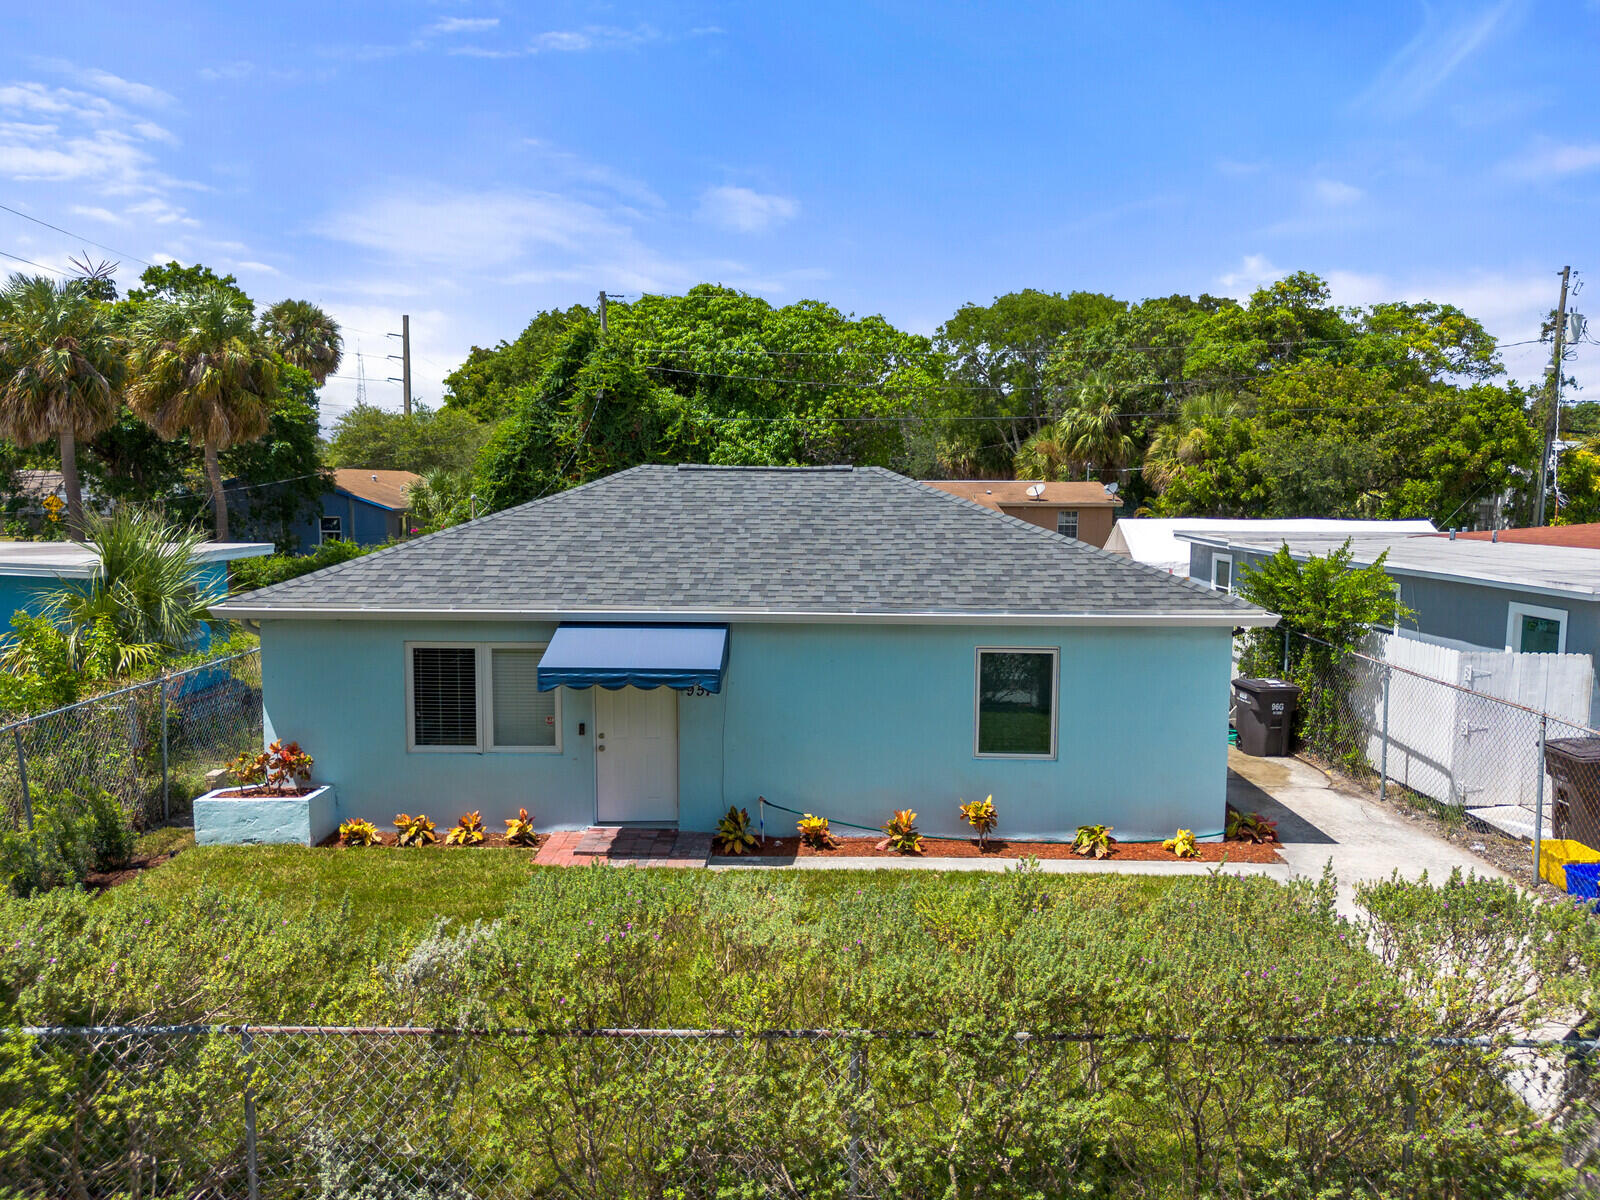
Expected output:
(1083, 510)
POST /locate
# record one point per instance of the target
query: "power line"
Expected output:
(78, 236)
(31, 263)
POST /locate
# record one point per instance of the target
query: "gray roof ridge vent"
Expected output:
(759, 467)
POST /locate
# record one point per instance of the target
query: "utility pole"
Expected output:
(405, 362)
(602, 312)
(1553, 386)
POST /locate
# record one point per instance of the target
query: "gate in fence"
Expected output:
(1456, 726)
(149, 744)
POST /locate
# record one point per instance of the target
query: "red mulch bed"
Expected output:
(256, 793)
(99, 881)
(867, 847)
(492, 841)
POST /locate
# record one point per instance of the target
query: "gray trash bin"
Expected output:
(1264, 715)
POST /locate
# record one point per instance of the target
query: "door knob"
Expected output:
(599, 749)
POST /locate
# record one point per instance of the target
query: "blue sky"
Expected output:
(471, 163)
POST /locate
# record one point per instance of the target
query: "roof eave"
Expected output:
(241, 609)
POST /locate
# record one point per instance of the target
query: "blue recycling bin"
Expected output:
(1583, 881)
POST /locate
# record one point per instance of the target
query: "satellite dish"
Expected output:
(1035, 490)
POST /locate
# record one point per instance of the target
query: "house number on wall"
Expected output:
(697, 690)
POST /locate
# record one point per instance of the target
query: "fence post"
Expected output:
(1538, 803)
(1285, 652)
(247, 1045)
(166, 790)
(858, 1076)
(1383, 754)
(22, 775)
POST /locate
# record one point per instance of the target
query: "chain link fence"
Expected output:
(1499, 766)
(150, 745)
(397, 1113)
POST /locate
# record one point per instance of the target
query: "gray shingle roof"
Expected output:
(749, 541)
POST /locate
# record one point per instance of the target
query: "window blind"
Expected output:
(444, 693)
(523, 715)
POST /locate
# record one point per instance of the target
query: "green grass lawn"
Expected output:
(408, 889)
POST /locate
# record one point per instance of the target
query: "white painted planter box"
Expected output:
(254, 820)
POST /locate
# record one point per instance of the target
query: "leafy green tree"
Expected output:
(429, 439)
(168, 281)
(306, 337)
(1331, 605)
(486, 385)
(997, 355)
(201, 371)
(1578, 486)
(61, 367)
(278, 477)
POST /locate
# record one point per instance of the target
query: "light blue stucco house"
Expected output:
(30, 572)
(658, 645)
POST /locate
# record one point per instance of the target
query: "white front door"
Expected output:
(636, 754)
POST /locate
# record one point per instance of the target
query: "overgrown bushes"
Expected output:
(1185, 982)
(248, 574)
(71, 835)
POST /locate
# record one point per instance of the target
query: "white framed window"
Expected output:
(1014, 702)
(479, 697)
(1067, 522)
(1531, 629)
(1222, 573)
(331, 529)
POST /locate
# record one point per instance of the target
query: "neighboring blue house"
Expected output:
(840, 640)
(31, 571)
(365, 507)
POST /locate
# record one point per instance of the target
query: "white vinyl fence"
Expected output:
(1450, 742)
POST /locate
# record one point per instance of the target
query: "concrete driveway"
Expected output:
(1318, 823)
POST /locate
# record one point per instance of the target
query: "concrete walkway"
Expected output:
(1319, 823)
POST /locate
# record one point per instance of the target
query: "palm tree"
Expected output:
(201, 370)
(149, 596)
(61, 371)
(439, 499)
(1044, 456)
(1186, 439)
(1091, 428)
(306, 336)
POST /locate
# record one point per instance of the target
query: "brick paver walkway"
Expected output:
(626, 846)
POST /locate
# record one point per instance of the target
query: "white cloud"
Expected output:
(1411, 77)
(447, 25)
(592, 37)
(239, 68)
(745, 210)
(105, 83)
(1549, 158)
(1510, 305)
(157, 211)
(1335, 194)
(1253, 271)
(65, 135)
(95, 213)
(474, 231)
